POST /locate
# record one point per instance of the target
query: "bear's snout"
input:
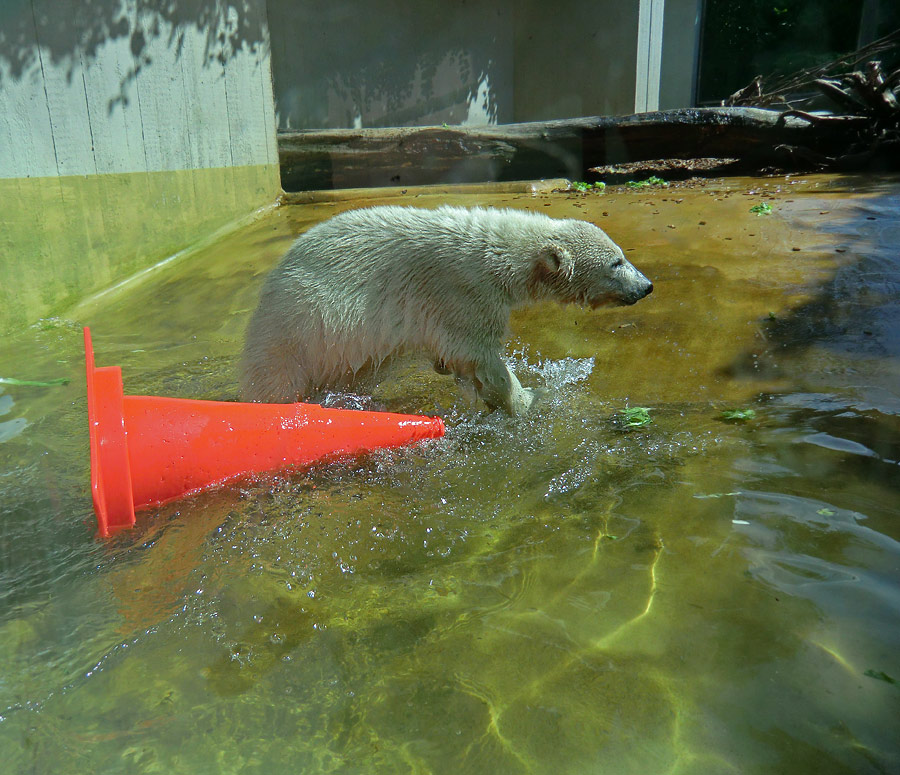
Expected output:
(635, 294)
(639, 289)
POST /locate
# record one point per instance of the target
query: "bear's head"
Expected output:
(579, 264)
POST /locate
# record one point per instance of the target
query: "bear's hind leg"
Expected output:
(273, 375)
(271, 387)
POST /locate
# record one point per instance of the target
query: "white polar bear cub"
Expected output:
(367, 284)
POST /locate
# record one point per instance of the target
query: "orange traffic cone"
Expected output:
(147, 450)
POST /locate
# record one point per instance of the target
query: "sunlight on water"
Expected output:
(573, 591)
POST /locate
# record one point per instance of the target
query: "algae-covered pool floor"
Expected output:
(563, 593)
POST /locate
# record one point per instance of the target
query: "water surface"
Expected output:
(561, 593)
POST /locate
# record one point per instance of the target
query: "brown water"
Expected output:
(556, 594)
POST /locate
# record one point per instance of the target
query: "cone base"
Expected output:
(110, 469)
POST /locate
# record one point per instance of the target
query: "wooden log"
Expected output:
(532, 187)
(405, 156)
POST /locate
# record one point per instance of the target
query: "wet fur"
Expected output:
(366, 284)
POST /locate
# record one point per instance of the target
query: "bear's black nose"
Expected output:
(649, 289)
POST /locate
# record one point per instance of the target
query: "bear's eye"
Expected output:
(617, 263)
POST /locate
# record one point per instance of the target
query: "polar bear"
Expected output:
(370, 283)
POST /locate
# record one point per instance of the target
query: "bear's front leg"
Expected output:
(500, 389)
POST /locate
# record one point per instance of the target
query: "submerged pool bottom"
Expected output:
(569, 592)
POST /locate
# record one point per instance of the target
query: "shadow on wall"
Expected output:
(69, 33)
(391, 63)
(118, 86)
(129, 130)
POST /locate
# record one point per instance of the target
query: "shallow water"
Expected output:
(561, 593)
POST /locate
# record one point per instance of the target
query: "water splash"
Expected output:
(555, 374)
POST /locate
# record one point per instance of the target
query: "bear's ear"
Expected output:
(555, 259)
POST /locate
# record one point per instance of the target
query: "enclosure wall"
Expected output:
(128, 131)
(387, 63)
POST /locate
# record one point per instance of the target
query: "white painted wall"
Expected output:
(111, 86)
(649, 55)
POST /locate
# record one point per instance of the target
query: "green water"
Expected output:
(555, 594)
(65, 237)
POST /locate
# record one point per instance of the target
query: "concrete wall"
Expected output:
(392, 62)
(410, 63)
(574, 58)
(680, 51)
(128, 130)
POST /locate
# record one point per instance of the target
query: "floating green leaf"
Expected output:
(763, 208)
(637, 417)
(826, 512)
(738, 415)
